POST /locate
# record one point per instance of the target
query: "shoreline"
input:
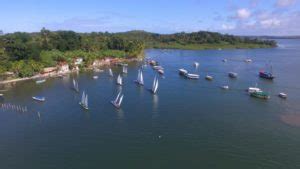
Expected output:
(100, 64)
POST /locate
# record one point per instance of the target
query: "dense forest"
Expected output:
(28, 53)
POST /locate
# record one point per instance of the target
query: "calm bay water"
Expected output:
(188, 124)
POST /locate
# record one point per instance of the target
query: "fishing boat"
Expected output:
(140, 79)
(110, 72)
(232, 74)
(124, 69)
(40, 81)
(118, 101)
(225, 87)
(75, 85)
(282, 95)
(208, 77)
(119, 80)
(84, 101)
(260, 95)
(155, 85)
(191, 76)
(183, 71)
(196, 64)
(160, 71)
(267, 75)
(37, 98)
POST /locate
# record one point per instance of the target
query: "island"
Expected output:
(32, 55)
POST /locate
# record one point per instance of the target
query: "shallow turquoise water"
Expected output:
(188, 124)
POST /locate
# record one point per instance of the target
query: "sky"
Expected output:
(238, 17)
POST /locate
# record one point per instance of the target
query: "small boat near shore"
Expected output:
(124, 69)
(118, 101)
(95, 77)
(282, 95)
(38, 98)
(232, 75)
(157, 67)
(40, 81)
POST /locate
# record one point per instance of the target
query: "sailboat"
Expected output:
(75, 85)
(140, 79)
(155, 85)
(118, 101)
(124, 69)
(84, 101)
(119, 80)
(110, 73)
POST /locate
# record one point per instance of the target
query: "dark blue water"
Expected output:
(188, 124)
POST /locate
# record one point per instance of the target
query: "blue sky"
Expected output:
(244, 17)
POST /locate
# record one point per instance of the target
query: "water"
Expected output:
(188, 124)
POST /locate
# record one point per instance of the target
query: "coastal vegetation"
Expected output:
(26, 54)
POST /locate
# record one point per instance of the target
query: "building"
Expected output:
(78, 61)
(63, 67)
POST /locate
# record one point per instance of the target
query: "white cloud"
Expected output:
(227, 27)
(270, 23)
(285, 3)
(243, 13)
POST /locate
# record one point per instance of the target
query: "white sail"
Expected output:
(86, 101)
(156, 86)
(74, 83)
(83, 98)
(141, 80)
(153, 85)
(117, 98)
(120, 101)
(119, 80)
(124, 69)
(111, 73)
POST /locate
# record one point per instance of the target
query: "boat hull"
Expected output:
(265, 75)
(115, 105)
(83, 106)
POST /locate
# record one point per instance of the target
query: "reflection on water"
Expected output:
(291, 119)
(120, 114)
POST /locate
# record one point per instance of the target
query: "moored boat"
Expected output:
(282, 95)
(208, 77)
(225, 87)
(160, 71)
(119, 80)
(140, 79)
(260, 95)
(38, 98)
(232, 74)
(248, 60)
(95, 77)
(40, 81)
(267, 75)
(191, 76)
(196, 64)
(182, 71)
